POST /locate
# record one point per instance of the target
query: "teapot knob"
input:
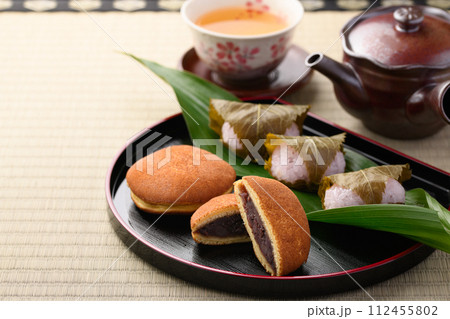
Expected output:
(408, 18)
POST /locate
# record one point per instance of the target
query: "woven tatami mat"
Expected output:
(68, 102)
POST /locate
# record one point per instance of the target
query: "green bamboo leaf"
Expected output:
(310, 201)
(423, 219)
(193, 94)
(419, 197)
(355, 161)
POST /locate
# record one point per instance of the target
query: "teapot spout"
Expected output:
(347, 85)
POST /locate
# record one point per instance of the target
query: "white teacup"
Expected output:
(242, 57)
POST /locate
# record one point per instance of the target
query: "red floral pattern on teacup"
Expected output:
(226, 50)
(279, 47)
(229, 57)
(246, 54)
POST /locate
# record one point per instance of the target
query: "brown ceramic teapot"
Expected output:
(396, 71)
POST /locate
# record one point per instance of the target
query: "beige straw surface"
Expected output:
(69, 101)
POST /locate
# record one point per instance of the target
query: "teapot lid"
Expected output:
(400, 36)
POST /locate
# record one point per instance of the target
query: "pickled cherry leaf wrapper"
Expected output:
(368, 183)
(317, 154)
(422, 218)
(254, 121)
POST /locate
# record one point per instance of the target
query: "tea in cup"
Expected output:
(242, 39)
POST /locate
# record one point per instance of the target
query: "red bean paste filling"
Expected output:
(227, 226)
(258, 230)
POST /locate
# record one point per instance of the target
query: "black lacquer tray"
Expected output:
(358, 256)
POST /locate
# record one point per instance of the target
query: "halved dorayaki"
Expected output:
(178, 179)
(276, 223)
(219, 222)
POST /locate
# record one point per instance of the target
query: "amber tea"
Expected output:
(241, 21)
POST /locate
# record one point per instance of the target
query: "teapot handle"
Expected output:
(429, 103)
